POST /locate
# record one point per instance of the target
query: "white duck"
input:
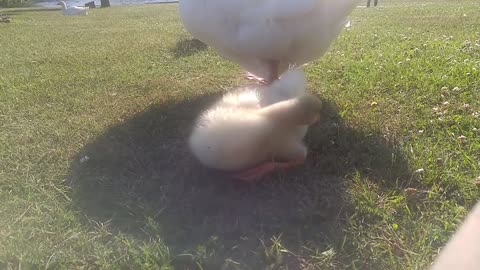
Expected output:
(72, 10)
(255, 130)
(266, 36)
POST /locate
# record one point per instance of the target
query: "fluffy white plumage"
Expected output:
(252, 125)
(73, 10)
(255, 33)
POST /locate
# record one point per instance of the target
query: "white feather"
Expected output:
(255, 32)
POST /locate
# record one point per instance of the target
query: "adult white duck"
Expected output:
(253, 131)
(266, 37)
(72, 10)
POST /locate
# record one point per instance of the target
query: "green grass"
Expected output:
(123, 85)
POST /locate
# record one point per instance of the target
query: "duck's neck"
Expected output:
(63, 4)
(283, 113)
(303, 110)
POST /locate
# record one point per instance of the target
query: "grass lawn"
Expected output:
(94, 170)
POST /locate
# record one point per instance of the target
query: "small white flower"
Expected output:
(84, 159)
(421, 170)
(462, 138)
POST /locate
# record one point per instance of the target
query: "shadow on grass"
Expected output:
(187, 47)
(141, 179)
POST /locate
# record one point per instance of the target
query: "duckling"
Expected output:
(253, 131)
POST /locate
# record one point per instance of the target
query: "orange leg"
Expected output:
(255, 173)
(273, 71)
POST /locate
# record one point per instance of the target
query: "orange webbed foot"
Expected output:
(258, 172)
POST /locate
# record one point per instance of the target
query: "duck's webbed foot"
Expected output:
(260, 171)
(253, 77)
(273, 70)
